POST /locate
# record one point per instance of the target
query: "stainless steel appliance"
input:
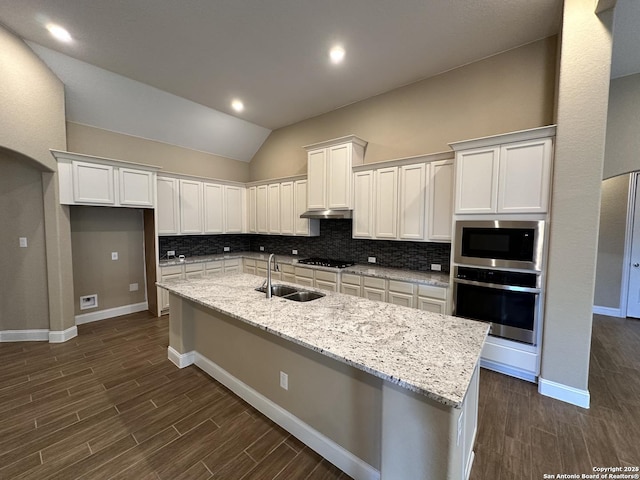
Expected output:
(509, 300)
(326, 262)
(500, 244)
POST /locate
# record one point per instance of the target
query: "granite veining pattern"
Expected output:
(427, 353)
(428, 278)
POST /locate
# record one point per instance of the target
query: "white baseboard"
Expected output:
(36, 335)
(565, 393)
(60, 336)
(608, 311)
(111, 312)
(327, 448)
(180, 360)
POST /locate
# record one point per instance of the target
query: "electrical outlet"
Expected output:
(171, 253)
(284, 380)
(372, 260)
(262, 249)
(436, 267)
(294, 252)
(133, 287)
(114, 255)
(227, 249)
(23, 242)
(89, 301)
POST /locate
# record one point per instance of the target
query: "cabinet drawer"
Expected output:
(351, 279)
(232, 262)
(217, 265)
(288, 277)
(261, 264)
(286, 268)
(401, 287)
(330, 286)
(326, 276)
(374, 282)
(349, 289)
(401, 299)
(304, 272)
(432, 291)
(249, 262)
(172, 270)
(193, 267)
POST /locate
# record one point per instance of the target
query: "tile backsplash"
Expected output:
(334, 242)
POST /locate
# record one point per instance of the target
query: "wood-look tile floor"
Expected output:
(108, 404)
(523, 435)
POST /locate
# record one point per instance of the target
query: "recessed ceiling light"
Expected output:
(59, 33)
(336, 54)
(237, 105)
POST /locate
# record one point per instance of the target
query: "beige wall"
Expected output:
(95, 233)
(613, 224)
(510, 91)
(583, 93)
(622, 154)
(103, 143)
(23, 271)
(32, 120)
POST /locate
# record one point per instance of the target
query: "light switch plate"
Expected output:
(23, 242)
(294, 252)
(262, 249)
(114, 255)
(436, 267)
(372, 260)
(227, 249)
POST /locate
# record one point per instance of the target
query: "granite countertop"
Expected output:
(428, 278)
(428, 353)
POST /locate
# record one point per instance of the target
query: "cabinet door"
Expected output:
(412, 194)
(329, 286)
(350, 290)
(164, 294)
(374, 294)
(168, 202)
(431, 305)
(251, 209)
(287, 206)
(477, 180)
(362, 223)
(213, 208)
(401, 299)
(301, 225)
(274, 208)
(525, 173)
(441, 201)
(261, 209)
(93, 183)
(190, 206)
(317, 177)
(136, 187)
(339, 177)
(233, 211)
(386, 202)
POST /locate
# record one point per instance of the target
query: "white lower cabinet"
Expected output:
(374, 288)
(402, 293)
(232, 265)
(304, 276)
(249, 266)
(326, 280)
(432, 298)
(213, 268)
(287, 273)
(351, 284)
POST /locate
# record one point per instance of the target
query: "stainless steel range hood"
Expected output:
(328, 214)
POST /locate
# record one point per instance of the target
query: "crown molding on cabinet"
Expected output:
(81, 157)
(398, 162)
(519, 136)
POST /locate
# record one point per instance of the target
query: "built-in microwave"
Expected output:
(500, 244)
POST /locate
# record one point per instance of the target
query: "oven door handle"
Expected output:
(510, 288)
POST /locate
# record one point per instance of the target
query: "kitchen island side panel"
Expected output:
(339, 401)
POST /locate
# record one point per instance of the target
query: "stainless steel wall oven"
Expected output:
(498, 275)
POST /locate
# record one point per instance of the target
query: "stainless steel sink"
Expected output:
(291, 293)
(304, 296)
(278, 290)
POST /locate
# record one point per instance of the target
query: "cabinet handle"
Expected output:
(636, 265)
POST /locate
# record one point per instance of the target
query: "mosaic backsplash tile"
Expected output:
(334, 242)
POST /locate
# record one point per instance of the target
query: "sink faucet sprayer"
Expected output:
(268, 289)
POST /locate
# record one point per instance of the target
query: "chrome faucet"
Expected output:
(268, 289)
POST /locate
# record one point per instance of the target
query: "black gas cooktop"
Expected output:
(326, 262)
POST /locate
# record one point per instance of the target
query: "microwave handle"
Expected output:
(510, 288)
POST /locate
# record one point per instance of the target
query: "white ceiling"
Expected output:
(199, 54)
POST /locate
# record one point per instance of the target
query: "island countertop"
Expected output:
(428, 353)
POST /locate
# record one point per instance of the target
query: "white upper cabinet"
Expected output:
(213, 208)
(412, 209)
(88, 180)
(477, 180)
(303, 226)
(504, 174)
(287, 205)
(525, 176)
(261, 209)
(273, 214)
(190, 206)
(363, 195)
(440, 201)
(329, 172)
(251, 210)
(402, 200)
(168, 205)
(386, 202)
(233, 209)
(136, 187)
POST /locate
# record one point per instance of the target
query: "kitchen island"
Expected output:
(379, 390)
